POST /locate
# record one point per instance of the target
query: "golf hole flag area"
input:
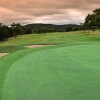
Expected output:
(63, 73)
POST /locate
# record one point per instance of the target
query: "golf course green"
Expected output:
(55, 73)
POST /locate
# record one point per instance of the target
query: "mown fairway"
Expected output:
(70, 38)
(70, 71)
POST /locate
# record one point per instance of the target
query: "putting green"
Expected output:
(65, 73)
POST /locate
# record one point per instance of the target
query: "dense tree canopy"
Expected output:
(92, 21)
(13, 31)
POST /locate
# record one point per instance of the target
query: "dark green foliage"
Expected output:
(92, 21)
(3, 32)
(28, 30)
(13, 31)
(68, 29)
(16, 29)
(75, 28)
(44, 28)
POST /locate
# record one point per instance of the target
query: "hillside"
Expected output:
(58, 28)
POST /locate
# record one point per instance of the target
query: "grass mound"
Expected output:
(64, 73)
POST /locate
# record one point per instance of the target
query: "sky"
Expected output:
(46, 11)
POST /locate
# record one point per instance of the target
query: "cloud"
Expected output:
(46, 11)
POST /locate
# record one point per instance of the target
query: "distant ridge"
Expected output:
(51, 26)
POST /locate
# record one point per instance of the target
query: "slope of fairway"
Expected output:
(64, 73)
(68, 38)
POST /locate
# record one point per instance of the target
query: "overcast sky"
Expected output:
(46, 11)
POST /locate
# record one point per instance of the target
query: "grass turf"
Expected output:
(68, 38)
(10, 49)
(7, 61)
(64, 73)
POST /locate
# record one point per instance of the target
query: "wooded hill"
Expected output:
(52, 28)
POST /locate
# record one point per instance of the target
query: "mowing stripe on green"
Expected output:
(66, 73)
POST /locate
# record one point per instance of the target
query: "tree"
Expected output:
(13, 27)
(3, 32)
(17, 29)
(13, 31)
(75, 29)
(93, 20)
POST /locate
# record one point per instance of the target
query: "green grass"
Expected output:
(11, 49)
(70, 38)
(7, 61)
(64, 73)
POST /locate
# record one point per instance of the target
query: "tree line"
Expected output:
(13, 31)
(17, 30)
(45, 28)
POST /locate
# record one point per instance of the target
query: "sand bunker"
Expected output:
(3, 54)
(36, 46)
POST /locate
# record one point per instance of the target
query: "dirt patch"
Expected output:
(36, 46)
(3, 54)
